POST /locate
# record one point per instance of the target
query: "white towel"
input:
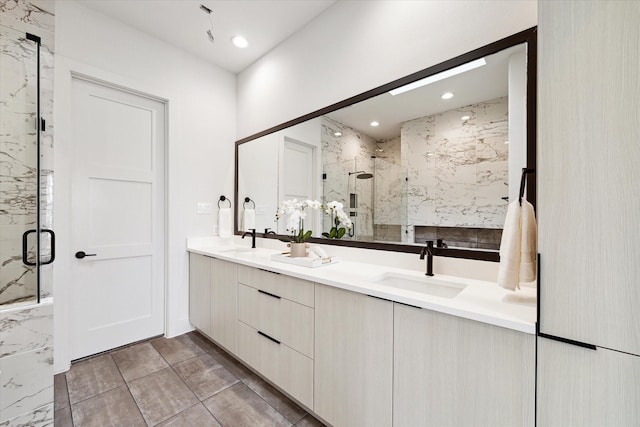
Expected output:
(224, 222)
(249, 219)
(518, 246)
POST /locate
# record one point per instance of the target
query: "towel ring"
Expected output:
(523, 181)
(247, 200)
(222, 199)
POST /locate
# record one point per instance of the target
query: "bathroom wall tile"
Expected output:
(238, 405)
(26, 382)
(92, 376)
(161, 395)
(115, 407)
(138, 360)
(26, 328)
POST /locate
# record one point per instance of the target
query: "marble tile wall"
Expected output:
(18, 174)
(350, 152)
(458, 170)
(26, 331)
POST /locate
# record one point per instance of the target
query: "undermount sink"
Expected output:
(237, 251)
(426, 285)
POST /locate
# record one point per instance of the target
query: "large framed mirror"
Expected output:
(434, 155)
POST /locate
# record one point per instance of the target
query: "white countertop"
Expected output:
(481, 301)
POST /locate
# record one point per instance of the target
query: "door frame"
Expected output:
(65, 71)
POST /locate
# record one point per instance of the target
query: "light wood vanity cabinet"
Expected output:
(354, 358)
(224, 303)
(213, 298)
(200, 292)
(276, 329)
(450, 371)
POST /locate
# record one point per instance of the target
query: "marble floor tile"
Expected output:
(197, 415)
(277, 400)
(238, 406)
(205, 376)
(138, 360)
(175, 350)
(60, 392)
(92, 376)
(62, 417)
(112, 408)
(161, 395)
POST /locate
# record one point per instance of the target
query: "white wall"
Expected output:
(201, 131)
(355, 46)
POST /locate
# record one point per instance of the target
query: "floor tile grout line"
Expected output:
(128, 388)
(262, 398)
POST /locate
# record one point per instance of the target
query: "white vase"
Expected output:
(298, 250)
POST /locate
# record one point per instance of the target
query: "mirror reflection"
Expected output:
(439, 158)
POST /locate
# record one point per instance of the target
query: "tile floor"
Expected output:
(182, 381)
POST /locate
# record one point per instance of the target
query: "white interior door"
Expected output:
(297, 170)
(117, 201)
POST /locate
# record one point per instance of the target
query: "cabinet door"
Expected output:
(200, 292)
(582, 387)
(224, 302)
(353, 358)
(450, 371)
(589, 171)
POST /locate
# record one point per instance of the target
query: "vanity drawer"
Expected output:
(285, 367)
(288, 287)
(287, 321)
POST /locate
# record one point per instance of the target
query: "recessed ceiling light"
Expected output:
(374, 123)
(239, 41)
(506, 142)
(447, 95)
(337, 134)
(465, 118)
(430, 154)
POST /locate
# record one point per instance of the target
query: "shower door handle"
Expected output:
(25, 251)
(53, 246)
(25, 254)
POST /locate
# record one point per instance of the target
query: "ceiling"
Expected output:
(480, 84)
(264, 23)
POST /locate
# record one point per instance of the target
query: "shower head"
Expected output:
(361, 174)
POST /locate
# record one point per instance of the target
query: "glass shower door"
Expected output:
(19, 171)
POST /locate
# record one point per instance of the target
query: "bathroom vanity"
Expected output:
(361, 344)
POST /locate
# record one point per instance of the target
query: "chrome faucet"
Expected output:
(252, 233)
(429, 251)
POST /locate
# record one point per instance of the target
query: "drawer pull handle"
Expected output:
(272, 272)
(267, 293)
(268, 337)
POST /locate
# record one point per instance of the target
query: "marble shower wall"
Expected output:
(458, 170)
(26, 331)
(349, 152)
(19, 182)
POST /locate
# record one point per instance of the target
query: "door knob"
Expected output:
(82, 254)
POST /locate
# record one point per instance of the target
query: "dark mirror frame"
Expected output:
(528, 36)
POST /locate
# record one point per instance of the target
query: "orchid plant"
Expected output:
(296, 214)
(338, 216)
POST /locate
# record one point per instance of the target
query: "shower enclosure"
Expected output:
(374, 194)
(25, 245)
